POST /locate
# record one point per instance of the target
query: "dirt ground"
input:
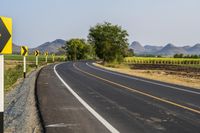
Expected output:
(180, 75)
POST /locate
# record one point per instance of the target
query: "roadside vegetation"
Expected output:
(110, 42)
(31, 58)
(14, 67)
(186, 56)
(106, 42)
(77, 49)
(168, 61)
(13, 74)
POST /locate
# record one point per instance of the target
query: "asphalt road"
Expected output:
(79, 97)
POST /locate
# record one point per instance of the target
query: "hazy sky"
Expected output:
(154, 22)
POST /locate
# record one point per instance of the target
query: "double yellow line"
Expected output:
(140, 92)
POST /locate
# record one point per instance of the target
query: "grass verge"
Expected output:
(14, 67)
(13, 74)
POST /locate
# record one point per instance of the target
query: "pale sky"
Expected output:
(151, 22)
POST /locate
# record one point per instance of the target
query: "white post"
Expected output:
(46, 59)
(53, 58)
(36, 61)
(24, 66)
(1, 83)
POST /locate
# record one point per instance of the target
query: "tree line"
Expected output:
(186, 56)
(105, 41)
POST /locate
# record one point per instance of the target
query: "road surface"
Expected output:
(79, 97)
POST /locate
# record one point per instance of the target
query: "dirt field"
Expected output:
(185, 71)
(180, 75)
(165, 67)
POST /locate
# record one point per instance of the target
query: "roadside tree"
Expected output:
(110, 42)
(77, 49)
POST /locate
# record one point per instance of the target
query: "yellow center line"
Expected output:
(139, 92)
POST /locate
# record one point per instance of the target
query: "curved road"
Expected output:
(79, 97)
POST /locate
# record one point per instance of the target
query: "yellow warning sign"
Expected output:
(46, 53)
(37, 52)
(24, 50)
(5, 35)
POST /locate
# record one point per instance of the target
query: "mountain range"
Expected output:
(168, 49)
(51, 47)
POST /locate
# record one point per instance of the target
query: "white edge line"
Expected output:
(176, 88)
(90, 109)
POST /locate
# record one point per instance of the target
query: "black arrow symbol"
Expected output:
(24, 50)
(36, 53)
(4, 35)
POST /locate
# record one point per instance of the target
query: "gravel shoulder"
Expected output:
(21, 115)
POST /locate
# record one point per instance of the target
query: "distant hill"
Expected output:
(186, 48)
(137, 47)
(195, 49)
(169, 49)
(51, 47)
(152, 49)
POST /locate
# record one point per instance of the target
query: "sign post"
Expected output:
(46, 57)
(24, 53)
(1, 91)
(36, 58)
(53, 57)
(24, 66)
(5, 48)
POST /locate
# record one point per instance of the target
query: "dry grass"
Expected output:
(11, 64)
(159, 75)
(14, 71)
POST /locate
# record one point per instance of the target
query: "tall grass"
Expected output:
(168, 61)
(31, 58)
(13, 74)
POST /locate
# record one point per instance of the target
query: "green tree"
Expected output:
(194, 56)
(110, 41)
(77, 49)
(129, 53)
(178, 56)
